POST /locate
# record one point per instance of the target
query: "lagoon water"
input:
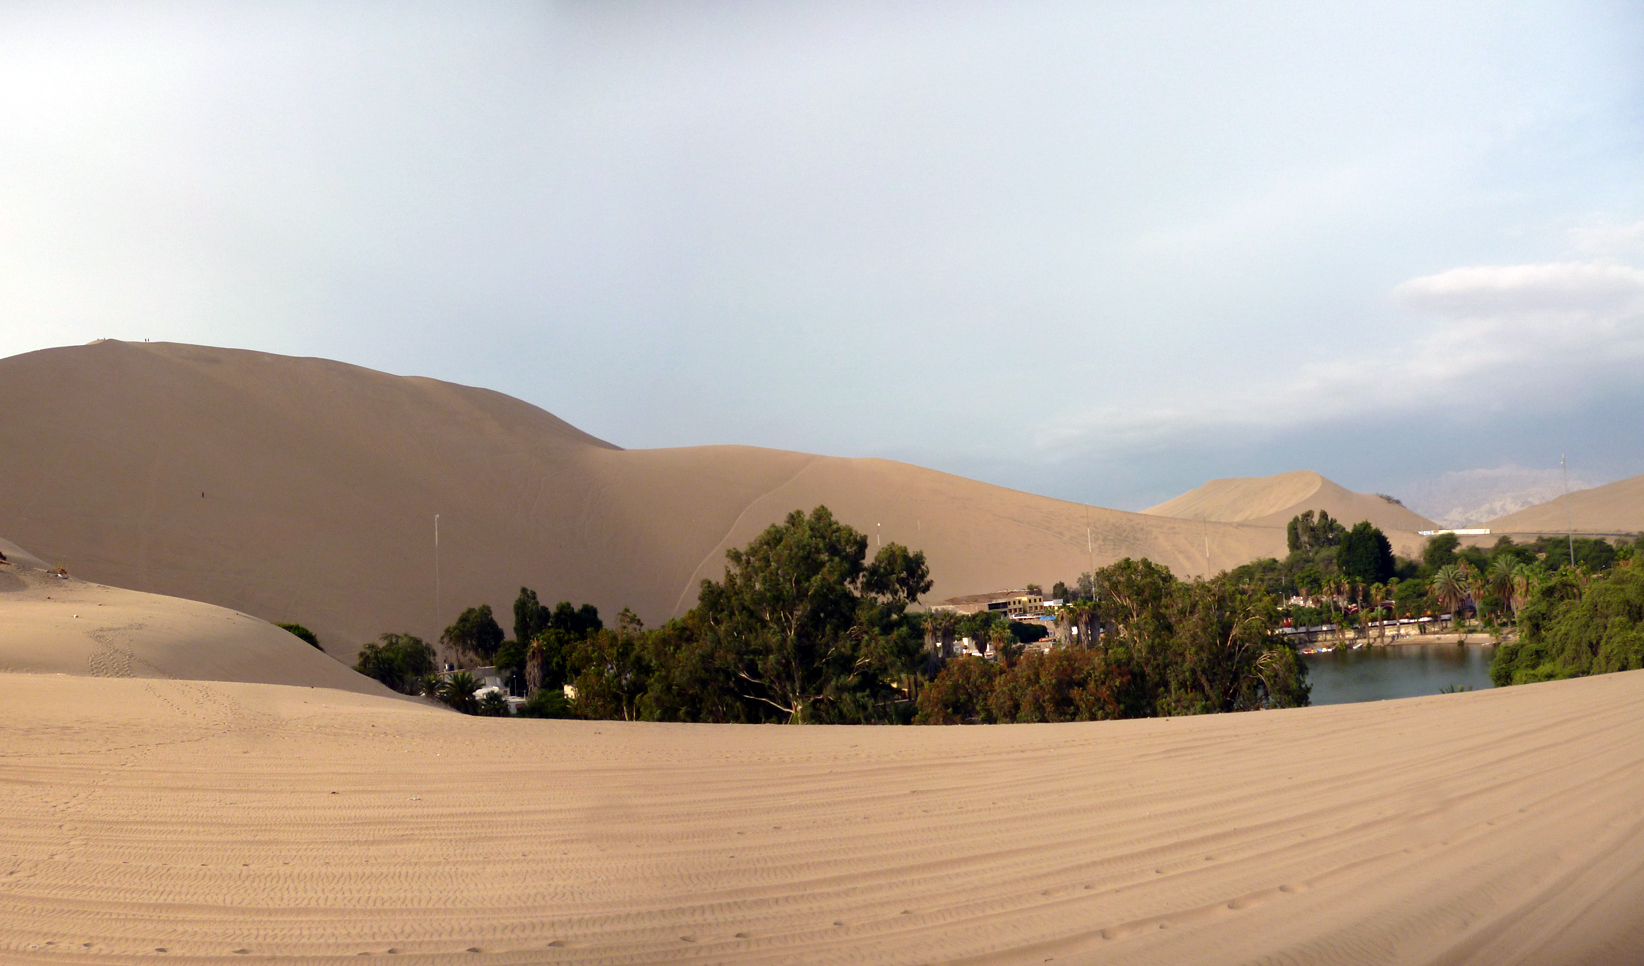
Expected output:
(1400, 671)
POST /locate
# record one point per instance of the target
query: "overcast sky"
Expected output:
(1098, 251)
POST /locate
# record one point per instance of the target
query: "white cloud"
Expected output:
(1533, 295)
(1604, 241)
(1492, 330)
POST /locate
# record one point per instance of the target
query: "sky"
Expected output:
(1103, 252)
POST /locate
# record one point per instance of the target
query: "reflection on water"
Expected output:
(1401, 671)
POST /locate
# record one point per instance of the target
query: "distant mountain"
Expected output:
(1612, 508)
(1470, 497)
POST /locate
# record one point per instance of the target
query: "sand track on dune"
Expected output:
(229, 822)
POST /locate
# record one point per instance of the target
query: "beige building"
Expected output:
(1011, 603)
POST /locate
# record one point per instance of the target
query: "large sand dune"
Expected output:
(1612, 508)
(226, 823)
(1271, 501)
(305, 490)
(67, 625)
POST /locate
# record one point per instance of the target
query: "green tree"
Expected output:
(400, 661)
(959, 694)
(612, 670)
(1221, 654)
(578, 622)
(1440, 550)
(475, 634)
(816, 633)
(302, 633)
(1067, 684)
(693, 677)
(1499, 580)
(458, 691)
(510, 662)
(547, 703)
(1573, 627)
(1449, 588)
(1365, 554)
(531, 616)
(1307, 532)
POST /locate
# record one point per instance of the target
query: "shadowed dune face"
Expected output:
(305, 490)
(222, 822)
(1612, 508)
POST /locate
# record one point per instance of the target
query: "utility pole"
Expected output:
(436, 570)
(1569, 517)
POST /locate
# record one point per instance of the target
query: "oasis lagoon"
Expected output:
(1397, 671)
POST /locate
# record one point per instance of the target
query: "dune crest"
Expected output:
(305, 490)
(65, 625)
(1612, 508)
(1271, 501)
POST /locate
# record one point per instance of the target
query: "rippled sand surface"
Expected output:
(146, 821)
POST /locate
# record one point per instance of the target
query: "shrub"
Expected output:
(302, 633)
(547, 703)
(400, 661)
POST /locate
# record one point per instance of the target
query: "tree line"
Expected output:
(805, 627)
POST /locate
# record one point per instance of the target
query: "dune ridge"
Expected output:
(1272, 501)
(305, 490)
(53, 625)
(225, 822)
(1612, 508)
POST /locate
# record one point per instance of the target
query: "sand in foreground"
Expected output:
(226, 822)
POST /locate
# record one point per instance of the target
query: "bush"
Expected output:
(547, 703)
(302, 633)
(493, 705)
(400, 661)
(959, 693)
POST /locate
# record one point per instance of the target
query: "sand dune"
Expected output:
(239, 822)
(1612, 508)
(305, 490)
(1273, 500)
(69, 626)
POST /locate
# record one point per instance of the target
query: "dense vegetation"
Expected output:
(805, 628)
(1172, 647)
(1577, 623)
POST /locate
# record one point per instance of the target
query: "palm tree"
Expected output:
(1449, 589)
(1525, 580)
(1378, 594)
(940, 627)
(458, 692)
(1081, 616)
(535, 657)
(1500, 581)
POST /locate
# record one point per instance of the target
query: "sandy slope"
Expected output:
(1612, 508)
(1273, 500)
(305, 490)
(69, 626)
(236, 822)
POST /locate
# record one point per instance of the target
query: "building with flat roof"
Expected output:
(1012, 603)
